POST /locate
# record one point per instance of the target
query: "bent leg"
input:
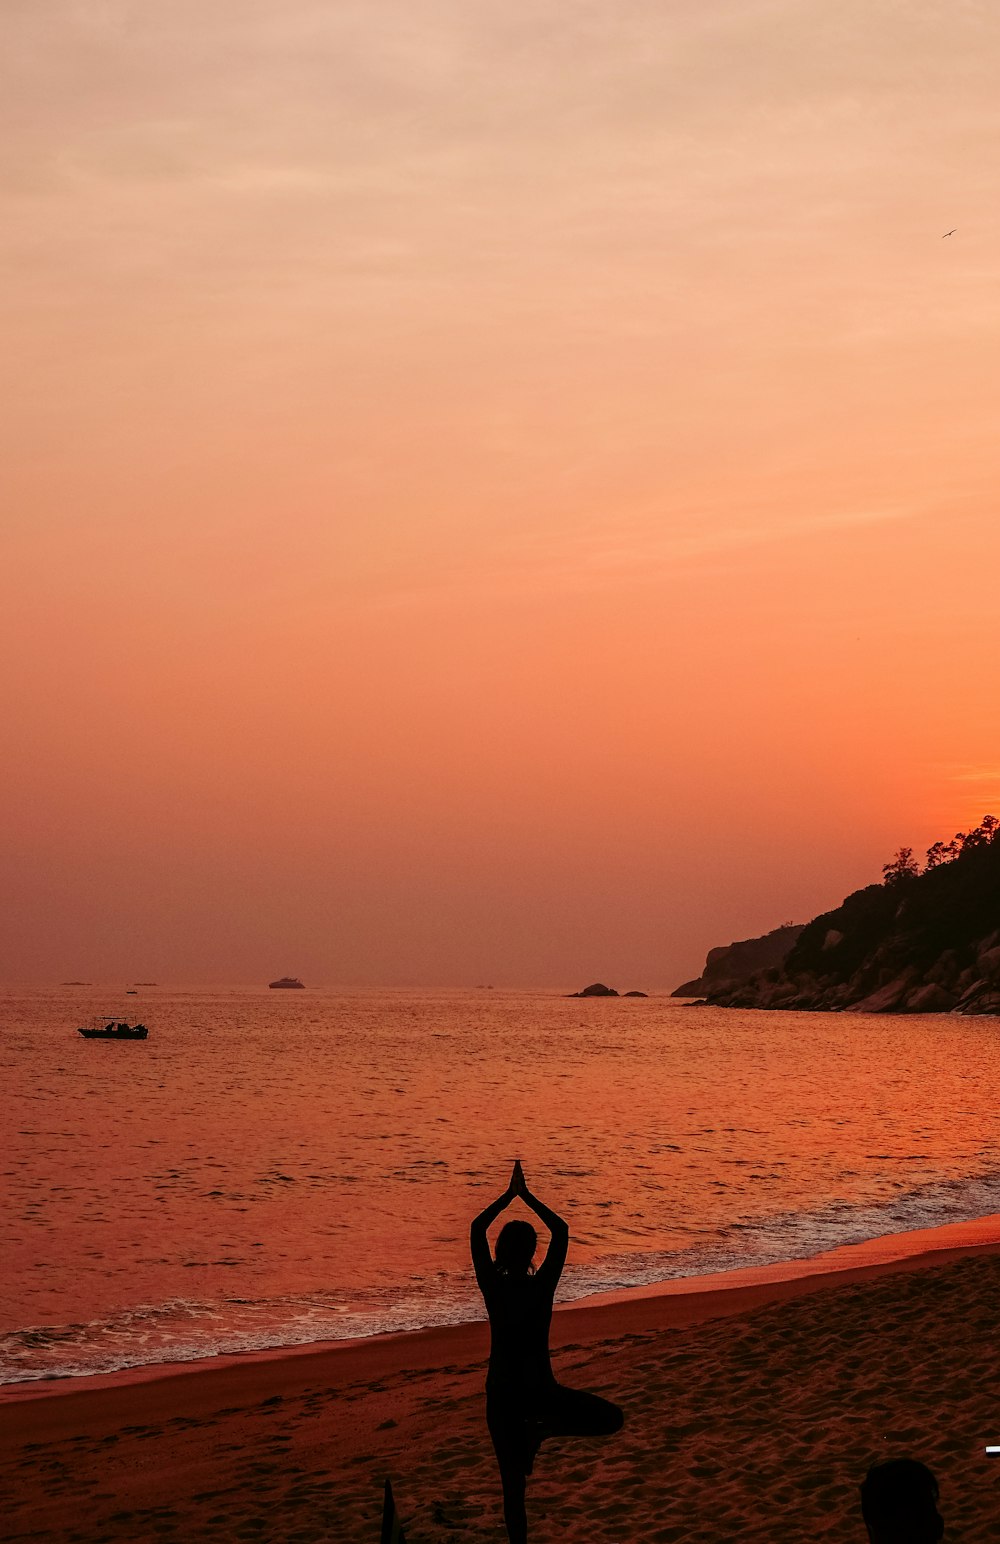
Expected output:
(574, 1413)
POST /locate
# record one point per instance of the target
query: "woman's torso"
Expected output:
(520, 1313)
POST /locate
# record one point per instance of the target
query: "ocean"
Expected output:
(277, 1168)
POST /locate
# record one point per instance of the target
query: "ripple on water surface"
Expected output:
(272, 1169)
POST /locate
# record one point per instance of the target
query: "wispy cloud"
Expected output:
(711, 539)
(590, 562)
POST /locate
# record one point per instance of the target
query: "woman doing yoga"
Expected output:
(524, 1403)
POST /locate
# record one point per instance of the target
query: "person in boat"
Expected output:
(524, 1403)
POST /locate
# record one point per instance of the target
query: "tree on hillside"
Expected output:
(964, 842)
(904, 866)
(902, 869)
(981, 836)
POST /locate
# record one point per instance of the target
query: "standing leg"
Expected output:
(514, 1515)
(514, 1458)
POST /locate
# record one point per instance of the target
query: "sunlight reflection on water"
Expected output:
(276, 1168)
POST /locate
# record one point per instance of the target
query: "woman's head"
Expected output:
(515, 1248)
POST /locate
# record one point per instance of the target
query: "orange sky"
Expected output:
(490, 493)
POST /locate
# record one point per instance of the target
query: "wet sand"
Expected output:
(753, 1410)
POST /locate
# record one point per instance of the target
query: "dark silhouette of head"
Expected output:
(515, 1248)
(899, 1503)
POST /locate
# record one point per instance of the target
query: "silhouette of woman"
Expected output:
(524, 1403)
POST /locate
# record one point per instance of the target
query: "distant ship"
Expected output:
(114, 1030)
(288, 981)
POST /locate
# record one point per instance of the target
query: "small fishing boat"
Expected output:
(113, 1029)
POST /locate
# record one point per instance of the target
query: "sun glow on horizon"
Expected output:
(484, 488)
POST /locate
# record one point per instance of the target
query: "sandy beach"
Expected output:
(752, 1412)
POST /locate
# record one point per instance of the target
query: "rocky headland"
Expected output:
(732, 965)
(927, 940)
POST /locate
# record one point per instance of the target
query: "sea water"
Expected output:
(274, 1168)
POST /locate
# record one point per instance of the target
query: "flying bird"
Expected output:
(951, 232)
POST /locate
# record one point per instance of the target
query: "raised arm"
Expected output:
(482, 1260)
(555, 1255)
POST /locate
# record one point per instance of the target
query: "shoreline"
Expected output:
(676, 1302)
(755, 1402)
